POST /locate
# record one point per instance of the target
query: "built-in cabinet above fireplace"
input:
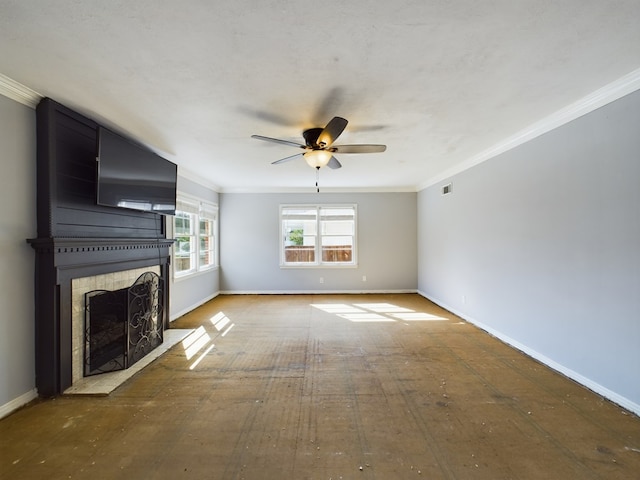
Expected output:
(78, 238)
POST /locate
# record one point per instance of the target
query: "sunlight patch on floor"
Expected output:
(200, 342)
(220, 321)
(375, 312)
(337, 308)
(382, 307)
(195, 342)
(366, 317)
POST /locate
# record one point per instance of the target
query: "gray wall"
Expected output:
(17, 223)
(541, 246)
(250, 236)
(188, 293)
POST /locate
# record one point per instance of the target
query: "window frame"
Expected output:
(198, 210)
(208, 212)
(318, 236)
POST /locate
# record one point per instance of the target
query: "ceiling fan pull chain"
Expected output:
(317, 178)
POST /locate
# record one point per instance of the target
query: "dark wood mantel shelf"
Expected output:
(77, 251)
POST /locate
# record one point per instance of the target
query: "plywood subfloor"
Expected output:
(328, 387)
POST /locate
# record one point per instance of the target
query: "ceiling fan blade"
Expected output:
(364, 148)
(332, 131)
(277, 140)
(334, 163)
(286, 159)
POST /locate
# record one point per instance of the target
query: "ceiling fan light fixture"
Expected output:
(318, 147)
(317, 158)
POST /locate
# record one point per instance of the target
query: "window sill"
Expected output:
(323, 265)
(197, 273)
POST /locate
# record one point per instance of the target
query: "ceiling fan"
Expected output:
(319, 147)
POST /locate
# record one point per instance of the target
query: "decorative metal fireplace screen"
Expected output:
(122, 326)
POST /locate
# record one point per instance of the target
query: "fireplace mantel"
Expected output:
(87, 252)
(58, 262)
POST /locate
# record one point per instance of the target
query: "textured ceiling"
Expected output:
(437, 81)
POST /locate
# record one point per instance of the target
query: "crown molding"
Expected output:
(199, 179)
(601, 97)
(18, 92)
(312, 189)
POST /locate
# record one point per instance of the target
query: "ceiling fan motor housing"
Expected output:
(311, 136)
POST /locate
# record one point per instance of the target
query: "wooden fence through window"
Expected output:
(306, 254)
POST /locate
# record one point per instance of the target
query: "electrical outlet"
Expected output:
(364, 278)
(321, 279)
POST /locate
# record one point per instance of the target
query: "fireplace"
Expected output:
(66, 270)
(122, 326)
(79, 241)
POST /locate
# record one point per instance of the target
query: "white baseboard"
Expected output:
(192, 307)
(567, 372)
(313, 292)
(16, 403)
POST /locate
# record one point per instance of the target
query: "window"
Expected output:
(195, 230)
(207, 251)
(318, 235)
(185, 240)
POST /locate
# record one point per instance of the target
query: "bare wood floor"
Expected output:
(328, 387)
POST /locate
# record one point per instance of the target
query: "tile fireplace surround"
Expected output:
(80, 286)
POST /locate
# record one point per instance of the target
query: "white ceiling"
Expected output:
(439, 82)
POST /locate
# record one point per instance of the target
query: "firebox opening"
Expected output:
(122, 326)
